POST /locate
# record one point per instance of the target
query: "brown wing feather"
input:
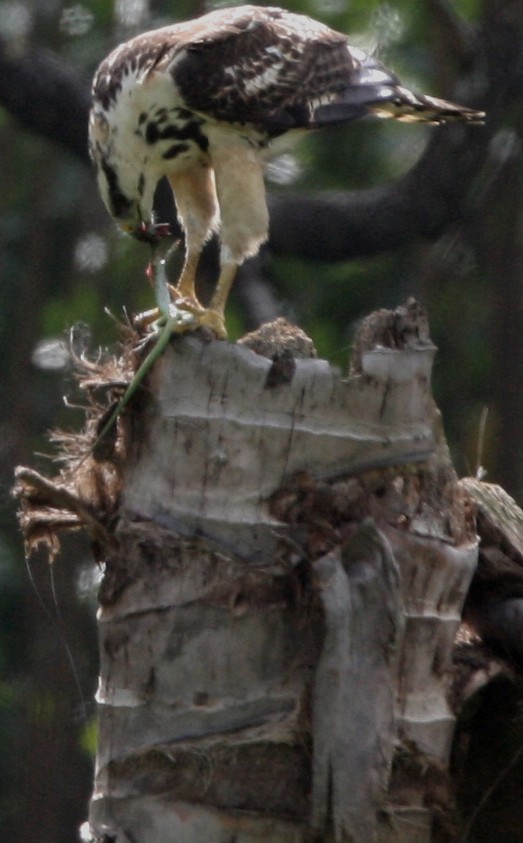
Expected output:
(265, 69)
(271, 69)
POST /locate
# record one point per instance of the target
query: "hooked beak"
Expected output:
(151, 233)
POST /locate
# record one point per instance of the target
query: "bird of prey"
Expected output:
(206, 102)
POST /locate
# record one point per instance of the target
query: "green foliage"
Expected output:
(89, 737)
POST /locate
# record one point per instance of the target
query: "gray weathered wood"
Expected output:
(284, 578)
(211, 402)
(354, 685)
(211, 648)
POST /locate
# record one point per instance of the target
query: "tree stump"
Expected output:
(284, 577)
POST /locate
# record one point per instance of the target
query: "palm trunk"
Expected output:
(284, 579)
(277, 620)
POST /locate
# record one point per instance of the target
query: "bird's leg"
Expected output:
(197, 208)
(184, 293)
(238, 173)
(214, 316)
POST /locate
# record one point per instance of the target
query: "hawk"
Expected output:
(205, 103)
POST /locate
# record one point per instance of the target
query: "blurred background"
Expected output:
(363, 216)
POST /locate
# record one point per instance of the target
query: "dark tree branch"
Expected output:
(460, 37)
(423, 204)
(46, 96)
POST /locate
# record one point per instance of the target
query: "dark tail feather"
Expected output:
(410, 107)
(373, 89)
(397, 103)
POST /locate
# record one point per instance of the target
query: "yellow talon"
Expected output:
(189, 303)
(214, 320)
(150, 320)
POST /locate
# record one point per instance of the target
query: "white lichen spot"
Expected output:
(131, 13)
(76, 20)
(284, 170)
(90, 253)
(50, 355)
(15, 20)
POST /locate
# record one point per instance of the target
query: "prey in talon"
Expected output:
(207, 102)
(171, 308)
(161, 323)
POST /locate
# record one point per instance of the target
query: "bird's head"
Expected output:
(130, 206)
(123, 194)
(126, 182)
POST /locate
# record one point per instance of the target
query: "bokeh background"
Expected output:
(458, 248)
